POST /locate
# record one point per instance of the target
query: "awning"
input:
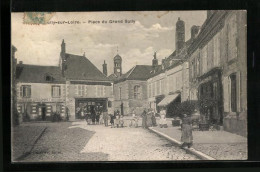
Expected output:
(168, 99)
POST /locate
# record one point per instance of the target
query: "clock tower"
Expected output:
(117, 65)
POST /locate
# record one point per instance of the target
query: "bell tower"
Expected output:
(179, 35)
(118, 65)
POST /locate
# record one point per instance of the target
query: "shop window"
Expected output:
(137, 92)
(233, 92)
(25, 91)
(55, 91)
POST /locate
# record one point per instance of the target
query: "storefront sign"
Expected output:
(41, 100)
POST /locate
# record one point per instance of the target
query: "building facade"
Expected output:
(169, 82)
(40, 92)
(218, 74)
(76, 84)
(130, 90)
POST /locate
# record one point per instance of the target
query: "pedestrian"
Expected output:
(89, 117)
(112, 119)
(121, 121)
(186, 131)
(105, 117)
(97, 116)
(116, 121)
(149, 118)
(153, 118)
(144, 119)
(67, 113)
(134, 121)
(93, 115)
(101, 117)
(163, 122)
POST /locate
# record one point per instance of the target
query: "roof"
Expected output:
(37, 74)
(80, 68)
(117, 57)
(139, 72)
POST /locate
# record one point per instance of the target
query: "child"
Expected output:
(101, 121)
(116, 121)
(105, 117)
(121, 121)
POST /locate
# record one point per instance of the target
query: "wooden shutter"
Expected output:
(238, 90)
(76, 90)
(86, 90)
(29, 91)
(140, 92)
(226, 94)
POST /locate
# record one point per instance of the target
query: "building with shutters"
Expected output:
(218, 74)
(169, 82)
(72, 86)
(40, 91)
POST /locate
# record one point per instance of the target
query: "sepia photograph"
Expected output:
(129, 86)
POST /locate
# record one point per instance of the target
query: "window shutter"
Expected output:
(96, 90)
(104, 90)
(18, 92)
(29, 91)
(59, 91)
(52, 91)
(21, 91)
(238, 90)
(76, 90)
(86, 90)
(226, 94)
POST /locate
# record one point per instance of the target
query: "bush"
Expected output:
(186, 107)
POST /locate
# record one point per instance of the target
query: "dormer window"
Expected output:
(48, 78)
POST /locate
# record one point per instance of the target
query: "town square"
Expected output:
(147, 86)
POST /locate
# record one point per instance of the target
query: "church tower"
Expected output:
(117, 65)
(179, 35)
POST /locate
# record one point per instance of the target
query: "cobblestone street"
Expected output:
(78, 141)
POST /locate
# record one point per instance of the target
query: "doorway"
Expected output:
(43, 113)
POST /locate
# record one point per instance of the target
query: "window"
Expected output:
(80, 90)
(100, 90)
(233, 92)
(48, 77)
(25, 91)
(137, 92)
(55, 91)
(198, 66)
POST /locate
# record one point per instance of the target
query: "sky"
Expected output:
(136, 41)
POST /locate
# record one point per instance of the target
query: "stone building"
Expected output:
(40, 91)
(130, 89)
(169, 82)
(218, 74)
(73, 85)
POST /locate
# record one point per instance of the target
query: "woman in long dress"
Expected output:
(93, 114)
(186, 131)
(144, 119)
(149, 118)
(163, 122)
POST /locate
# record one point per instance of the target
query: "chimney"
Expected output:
(155, 60)
(194, 31)
(179, 35)
(104, 68)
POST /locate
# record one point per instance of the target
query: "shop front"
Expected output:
(210, 97)
(84, 105)
(40, 111)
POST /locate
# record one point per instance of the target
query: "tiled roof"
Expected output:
(139, 72)
(37, 74)
(80, 68)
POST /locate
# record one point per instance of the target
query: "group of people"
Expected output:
(148, 118)
(93, 115)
